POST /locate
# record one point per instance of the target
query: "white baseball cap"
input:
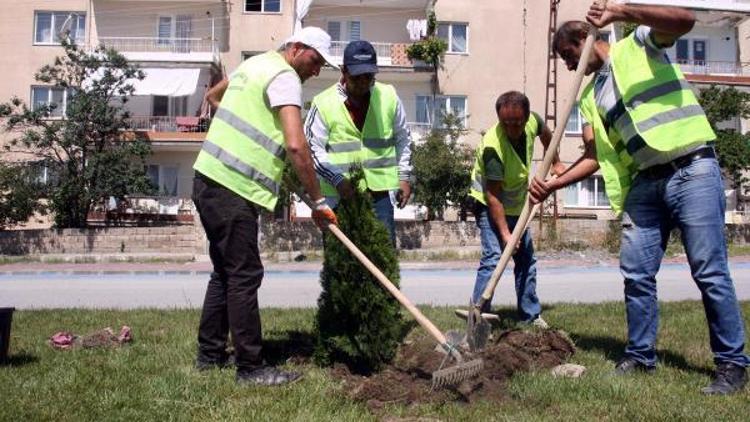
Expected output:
(315, 38)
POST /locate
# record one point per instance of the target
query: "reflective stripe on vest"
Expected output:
(515, 179)
(244, 148)
(611, 154)
(251, 132)
(657, 107)
(373, 148)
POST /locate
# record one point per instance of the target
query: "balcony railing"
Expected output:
(159, 45)
(169, 123)
(703, 67)
(389, 54)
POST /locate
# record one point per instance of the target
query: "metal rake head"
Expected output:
(456, 374)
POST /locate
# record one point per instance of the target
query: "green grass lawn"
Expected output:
(153, 379)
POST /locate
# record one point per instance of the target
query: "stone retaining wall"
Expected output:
(294, 236)
(172, 239)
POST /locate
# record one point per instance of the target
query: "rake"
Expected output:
(444, 376)
(478, 327)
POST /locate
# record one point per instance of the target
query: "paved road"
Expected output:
(175, 289)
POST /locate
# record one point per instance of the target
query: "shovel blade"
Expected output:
(477, 329)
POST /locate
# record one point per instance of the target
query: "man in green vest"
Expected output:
(499, 183)
(358, 121)
(652, 141)
(238, 172)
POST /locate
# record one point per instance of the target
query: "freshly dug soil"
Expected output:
(408, 379)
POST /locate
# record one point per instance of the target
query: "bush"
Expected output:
(358, 323)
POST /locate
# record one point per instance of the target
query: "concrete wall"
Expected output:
(298, 236)
(173, 239)
(255, 31)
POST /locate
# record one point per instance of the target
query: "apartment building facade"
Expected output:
(185, 46)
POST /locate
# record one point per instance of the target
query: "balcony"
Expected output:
(164, 49)
(719, 72)
(742, 6)
(703, 67)
(169, 123)
(389, 54)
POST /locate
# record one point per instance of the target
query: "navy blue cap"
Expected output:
(360, 57)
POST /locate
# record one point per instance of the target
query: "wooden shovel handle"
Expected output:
(403, 300)
(528, 210)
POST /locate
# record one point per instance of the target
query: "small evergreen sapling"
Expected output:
(358, 322)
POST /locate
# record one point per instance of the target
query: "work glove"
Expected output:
(323, 215)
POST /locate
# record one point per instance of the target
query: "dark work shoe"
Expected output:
(629, 365)
(203, 364)
(728, 378)
(266, 376)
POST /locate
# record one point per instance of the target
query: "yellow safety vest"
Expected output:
(516, 177)
(244, 149)
(658, 109)
(373, 148)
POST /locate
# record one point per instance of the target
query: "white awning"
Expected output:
(168, 82)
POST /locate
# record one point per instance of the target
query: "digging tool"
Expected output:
(451, 375)
(478, 328)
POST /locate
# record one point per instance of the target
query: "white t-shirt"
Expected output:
(284, 89)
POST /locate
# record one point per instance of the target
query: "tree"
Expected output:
(442, 167)
(733, 148)
(85, 147)
(358, 322)
(18, 194)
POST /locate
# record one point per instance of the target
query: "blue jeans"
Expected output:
(691, 199)
(525, 265)
(383, 207)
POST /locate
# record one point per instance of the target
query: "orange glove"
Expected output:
(323, 215)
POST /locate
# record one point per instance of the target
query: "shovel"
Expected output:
(478, 327)
(452, 375)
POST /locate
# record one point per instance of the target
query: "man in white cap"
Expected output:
(237, 172)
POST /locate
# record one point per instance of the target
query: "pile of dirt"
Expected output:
(408, 379)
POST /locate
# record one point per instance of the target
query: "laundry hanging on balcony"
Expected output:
(168, 82)
(303, 6)
(417, 29)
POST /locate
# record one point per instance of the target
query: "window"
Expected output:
(334, 30)
(575, 122)
(164, 30)
(433, 114)
(263, 6)
(690, 51)
(160, 106)
(247, 54)
(588, 193)
(42, 173)
(164, 178)
(353, 30)
(48, 26)
(42, 96)
(456, 35)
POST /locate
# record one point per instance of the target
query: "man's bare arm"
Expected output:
(667, 23)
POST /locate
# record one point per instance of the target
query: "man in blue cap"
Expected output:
(359, 121)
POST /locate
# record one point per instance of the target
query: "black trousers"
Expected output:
(231, 303)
